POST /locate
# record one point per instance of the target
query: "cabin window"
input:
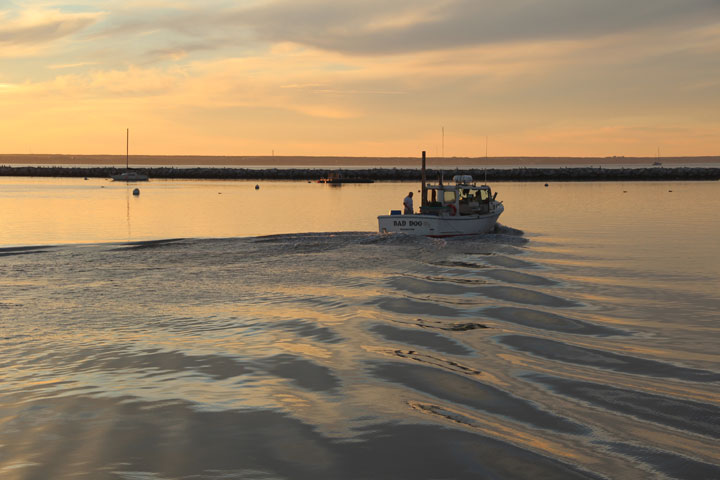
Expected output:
(484, 195)
(449, 196)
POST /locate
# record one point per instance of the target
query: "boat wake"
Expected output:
(349, 355)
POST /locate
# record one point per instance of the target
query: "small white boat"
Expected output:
(129, 175)
(460, 209)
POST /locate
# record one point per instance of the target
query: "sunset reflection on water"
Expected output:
(205, 318)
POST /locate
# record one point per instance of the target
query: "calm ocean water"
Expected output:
(208, 330)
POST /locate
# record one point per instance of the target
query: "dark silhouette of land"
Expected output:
(336, 161)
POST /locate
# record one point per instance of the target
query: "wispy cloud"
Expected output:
(160, 31)
(36, 26)
(346, 26)
(30, 32)
(70, 65)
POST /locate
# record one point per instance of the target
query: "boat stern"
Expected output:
(409, 224)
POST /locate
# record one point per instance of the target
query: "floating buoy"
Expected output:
(85, 178)
(257, 187)
(136, 192)
(546, 184)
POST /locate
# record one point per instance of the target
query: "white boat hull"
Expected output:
(130, 177)
(439, 226)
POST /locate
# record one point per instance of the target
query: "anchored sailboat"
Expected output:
(129, 175)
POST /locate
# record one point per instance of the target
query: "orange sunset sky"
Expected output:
(361, 77)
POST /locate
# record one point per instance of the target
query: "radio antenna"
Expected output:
(486, 158)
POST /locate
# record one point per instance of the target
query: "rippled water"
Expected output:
(579, 341)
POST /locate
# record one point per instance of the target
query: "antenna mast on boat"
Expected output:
(127, 149)
(423, 199)
(486, 158)
(443, 142)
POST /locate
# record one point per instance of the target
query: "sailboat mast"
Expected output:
(127, 149)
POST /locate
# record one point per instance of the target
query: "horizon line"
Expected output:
(85, 155)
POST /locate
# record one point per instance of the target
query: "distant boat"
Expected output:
(129, 175)
(336, 178)
(657, 163)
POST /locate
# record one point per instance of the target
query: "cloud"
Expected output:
(32, 31)
(370, 72)
(174, 53)
(181, 31)
(70, 65)
(35, 26)
(255, 83)
(381, 27)
(114, 84)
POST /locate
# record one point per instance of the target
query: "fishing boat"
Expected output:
(129, 175)
(447, 210)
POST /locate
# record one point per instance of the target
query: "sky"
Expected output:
(361, 77)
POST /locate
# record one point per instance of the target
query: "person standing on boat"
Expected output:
(408, 204)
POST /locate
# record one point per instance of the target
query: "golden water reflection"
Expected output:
(41, 211)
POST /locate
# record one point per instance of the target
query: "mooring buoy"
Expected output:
(136, 192)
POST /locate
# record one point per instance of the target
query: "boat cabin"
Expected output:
(462, 198)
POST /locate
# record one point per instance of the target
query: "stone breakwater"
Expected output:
(565, 174)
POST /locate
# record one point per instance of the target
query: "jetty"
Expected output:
(522, 174)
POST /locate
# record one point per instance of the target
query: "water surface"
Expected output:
(206, 330)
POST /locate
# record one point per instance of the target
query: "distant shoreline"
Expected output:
(536, 174)
(336, 161)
